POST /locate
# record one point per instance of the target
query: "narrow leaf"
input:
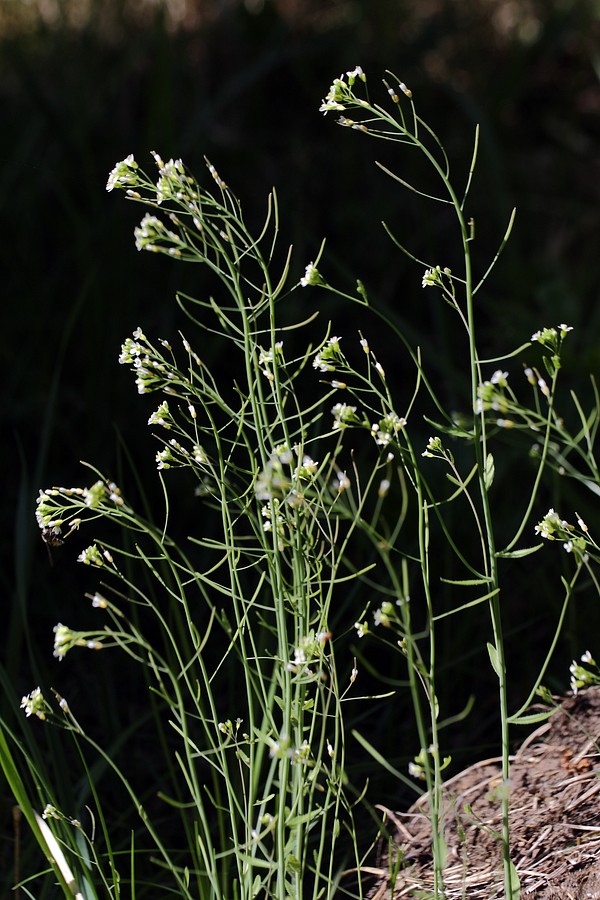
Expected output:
(495, 661)
(531, 719)
(465, 582)
(488, 475)
(517, 554)
(515, 884)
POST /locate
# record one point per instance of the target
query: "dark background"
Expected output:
(83, 85)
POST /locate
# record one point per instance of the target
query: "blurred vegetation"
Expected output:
(82, 84)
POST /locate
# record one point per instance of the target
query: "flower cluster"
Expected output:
(436, 450)
(35, 705)
(309, 648)
(92, 556)
(344, 416)
(175, 454)
(274, 481)
(100, 492)
(387, 429)
(362, 628)
(433, 277)
(581, 676)
(152, 370)
(162, 416)
(51, 812)
(551, 339)
(418, 768)
(284, 748)
(153, 235)
(553, 528)
(65, 639)
(385, 615)
(56, 507)
(281, 484)
(330, 356)
(491, 394)
(311, 276)
(340, 93)
(274, 520)
(307, 469)
(341, 482)
(230, 729)
(267, 358)
(124, 175)
(173, 183)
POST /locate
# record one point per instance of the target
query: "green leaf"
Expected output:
(515, 884)
(452, 612)
(531, 719)
(490, 469)
(466, 581)
(494, 659)
(517, 554)
(292, 864)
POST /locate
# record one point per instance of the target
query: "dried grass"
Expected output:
(555, 820)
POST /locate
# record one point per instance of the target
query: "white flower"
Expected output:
(161, 416)
(341, 482)
(124, 173)
(384, 487)
(416, 771)
(362, 628)
(34, 704)
(311, 276)
(357, 72)
(432, 277)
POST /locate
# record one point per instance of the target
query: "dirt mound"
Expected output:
(555, 820)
